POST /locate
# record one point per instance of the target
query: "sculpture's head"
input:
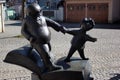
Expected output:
(33, 9)
(87, 24)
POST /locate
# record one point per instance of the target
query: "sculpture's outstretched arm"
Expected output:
(56, 26)
(72, 32)
(89, 38)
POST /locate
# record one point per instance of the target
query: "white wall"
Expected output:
(1, 19)
(60, 14)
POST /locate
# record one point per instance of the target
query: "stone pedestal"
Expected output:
(77, 65)
(75, 70)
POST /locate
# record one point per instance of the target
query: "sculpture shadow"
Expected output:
(17, 36)
(61, 62)
(65, 65)
(116, 76)
(6, 37)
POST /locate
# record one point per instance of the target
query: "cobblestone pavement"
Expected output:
(104, 54)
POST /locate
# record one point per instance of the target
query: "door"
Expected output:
(75, 12)
(98, 11)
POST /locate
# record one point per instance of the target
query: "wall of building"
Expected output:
(49, 4)
(0, 18)
(60, 14)
(97, 14)
(116, 10)
(57, 15)
(119, 10)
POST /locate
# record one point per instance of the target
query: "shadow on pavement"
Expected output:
(116, 76)
(71, 25)
(17, 36)
(107, 26)
(13, 23)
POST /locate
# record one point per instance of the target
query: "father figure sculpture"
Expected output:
(35, 29)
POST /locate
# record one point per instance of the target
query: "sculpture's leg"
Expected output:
(43, 50)
(71, 51)
(49, 45)
(81, 53)
(30, 52)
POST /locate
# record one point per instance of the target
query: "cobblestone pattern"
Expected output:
(104, 54)
(18, 78)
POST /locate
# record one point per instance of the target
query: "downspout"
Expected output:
(110, 16)
(2, 20)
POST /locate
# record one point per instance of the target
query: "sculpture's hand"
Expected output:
(94, 39)
(63, 29)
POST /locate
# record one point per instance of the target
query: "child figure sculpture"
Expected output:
(80, 38)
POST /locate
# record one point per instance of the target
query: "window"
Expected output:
(54, 5)
(91, 7)
(103, 7)
(70, 7)
(30, 1)
(80, 7)
(19, 1)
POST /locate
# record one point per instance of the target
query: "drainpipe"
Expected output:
(23, 5)
(2, 20)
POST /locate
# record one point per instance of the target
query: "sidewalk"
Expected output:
(8, 43)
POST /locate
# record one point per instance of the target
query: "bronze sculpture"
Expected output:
(80, 37)
(35, 29)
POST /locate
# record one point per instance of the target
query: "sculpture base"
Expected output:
(75, 70)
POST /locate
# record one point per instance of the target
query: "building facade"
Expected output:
(48, 6)
(102, 11)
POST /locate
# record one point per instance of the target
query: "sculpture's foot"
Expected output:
(67, 60)
(53, 68)
(85, 58)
